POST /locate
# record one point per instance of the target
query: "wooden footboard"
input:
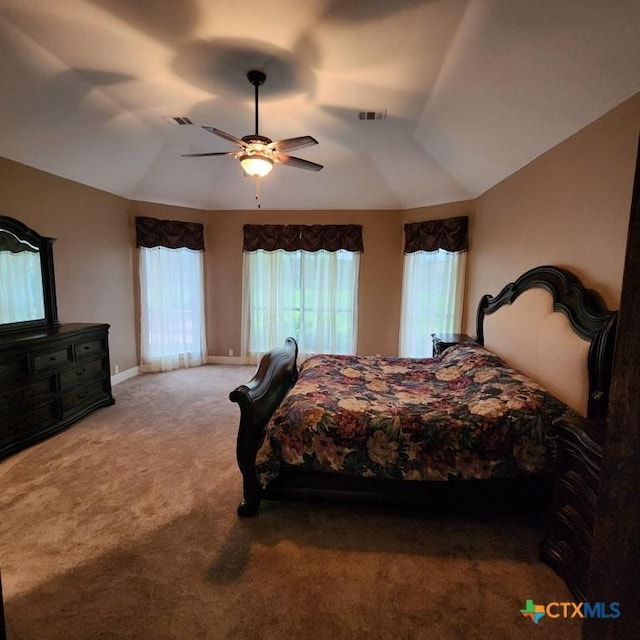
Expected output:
(258, 399)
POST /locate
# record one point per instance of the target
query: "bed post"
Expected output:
(258, 399)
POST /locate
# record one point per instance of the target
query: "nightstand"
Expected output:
(567, 546)
(443, 340)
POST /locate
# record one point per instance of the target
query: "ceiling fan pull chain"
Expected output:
(258, 190)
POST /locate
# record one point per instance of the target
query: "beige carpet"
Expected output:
(124, 526)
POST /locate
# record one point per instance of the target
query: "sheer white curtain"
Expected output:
(309, 295)
(432, 299)
(172, 309)
(20, 286)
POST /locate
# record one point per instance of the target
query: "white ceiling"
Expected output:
(473, 90)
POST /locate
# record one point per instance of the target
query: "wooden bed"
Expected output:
(545, 339)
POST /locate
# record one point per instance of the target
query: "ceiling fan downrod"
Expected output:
(256, 78)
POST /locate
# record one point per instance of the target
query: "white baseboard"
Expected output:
(134, 371)
(124, 375)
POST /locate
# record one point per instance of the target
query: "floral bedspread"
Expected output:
(463, 415)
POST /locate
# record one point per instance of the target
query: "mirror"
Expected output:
(27, 285)
(21, 291)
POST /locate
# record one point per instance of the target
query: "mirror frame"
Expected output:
(45, 249)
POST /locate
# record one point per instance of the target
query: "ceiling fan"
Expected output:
(258, 154)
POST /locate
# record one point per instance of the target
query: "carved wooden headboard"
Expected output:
(559, 333)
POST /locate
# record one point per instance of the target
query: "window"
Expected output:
(171, 302)
(310, 295)
(432, 283)
(432, 293)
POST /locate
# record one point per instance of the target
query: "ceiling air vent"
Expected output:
(381, 114)
(177, 120)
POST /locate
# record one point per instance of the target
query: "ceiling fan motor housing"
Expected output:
(256, 78)
(254, 138)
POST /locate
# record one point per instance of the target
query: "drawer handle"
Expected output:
(86, 347)
(53, 358)
(81, 372)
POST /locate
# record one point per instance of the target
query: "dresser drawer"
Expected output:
(585, 464)
(90, 348)
(51, 359)
(571, 564)
(573, 490)
(82, 373)
(572, 527)
(13, 365)
(29, 421)
(82, 397)
(14, 398)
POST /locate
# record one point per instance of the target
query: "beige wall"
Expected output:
(569, 207)
(92, 254)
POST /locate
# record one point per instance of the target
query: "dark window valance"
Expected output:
(172, 234)
(450, 234)
(298, 237)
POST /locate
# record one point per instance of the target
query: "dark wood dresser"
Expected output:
(50, 378)
(567, 547)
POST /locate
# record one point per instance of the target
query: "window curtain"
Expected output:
(173, 331)
(300, 281)
(432, 283)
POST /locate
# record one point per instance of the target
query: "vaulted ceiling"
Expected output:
(470, 91)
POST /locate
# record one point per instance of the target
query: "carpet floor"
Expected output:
(124, 527)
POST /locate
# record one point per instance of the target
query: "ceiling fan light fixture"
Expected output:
(256, 165)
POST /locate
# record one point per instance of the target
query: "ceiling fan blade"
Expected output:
(215, 153)
(293, 143)
(227, 136)
(299, 162)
